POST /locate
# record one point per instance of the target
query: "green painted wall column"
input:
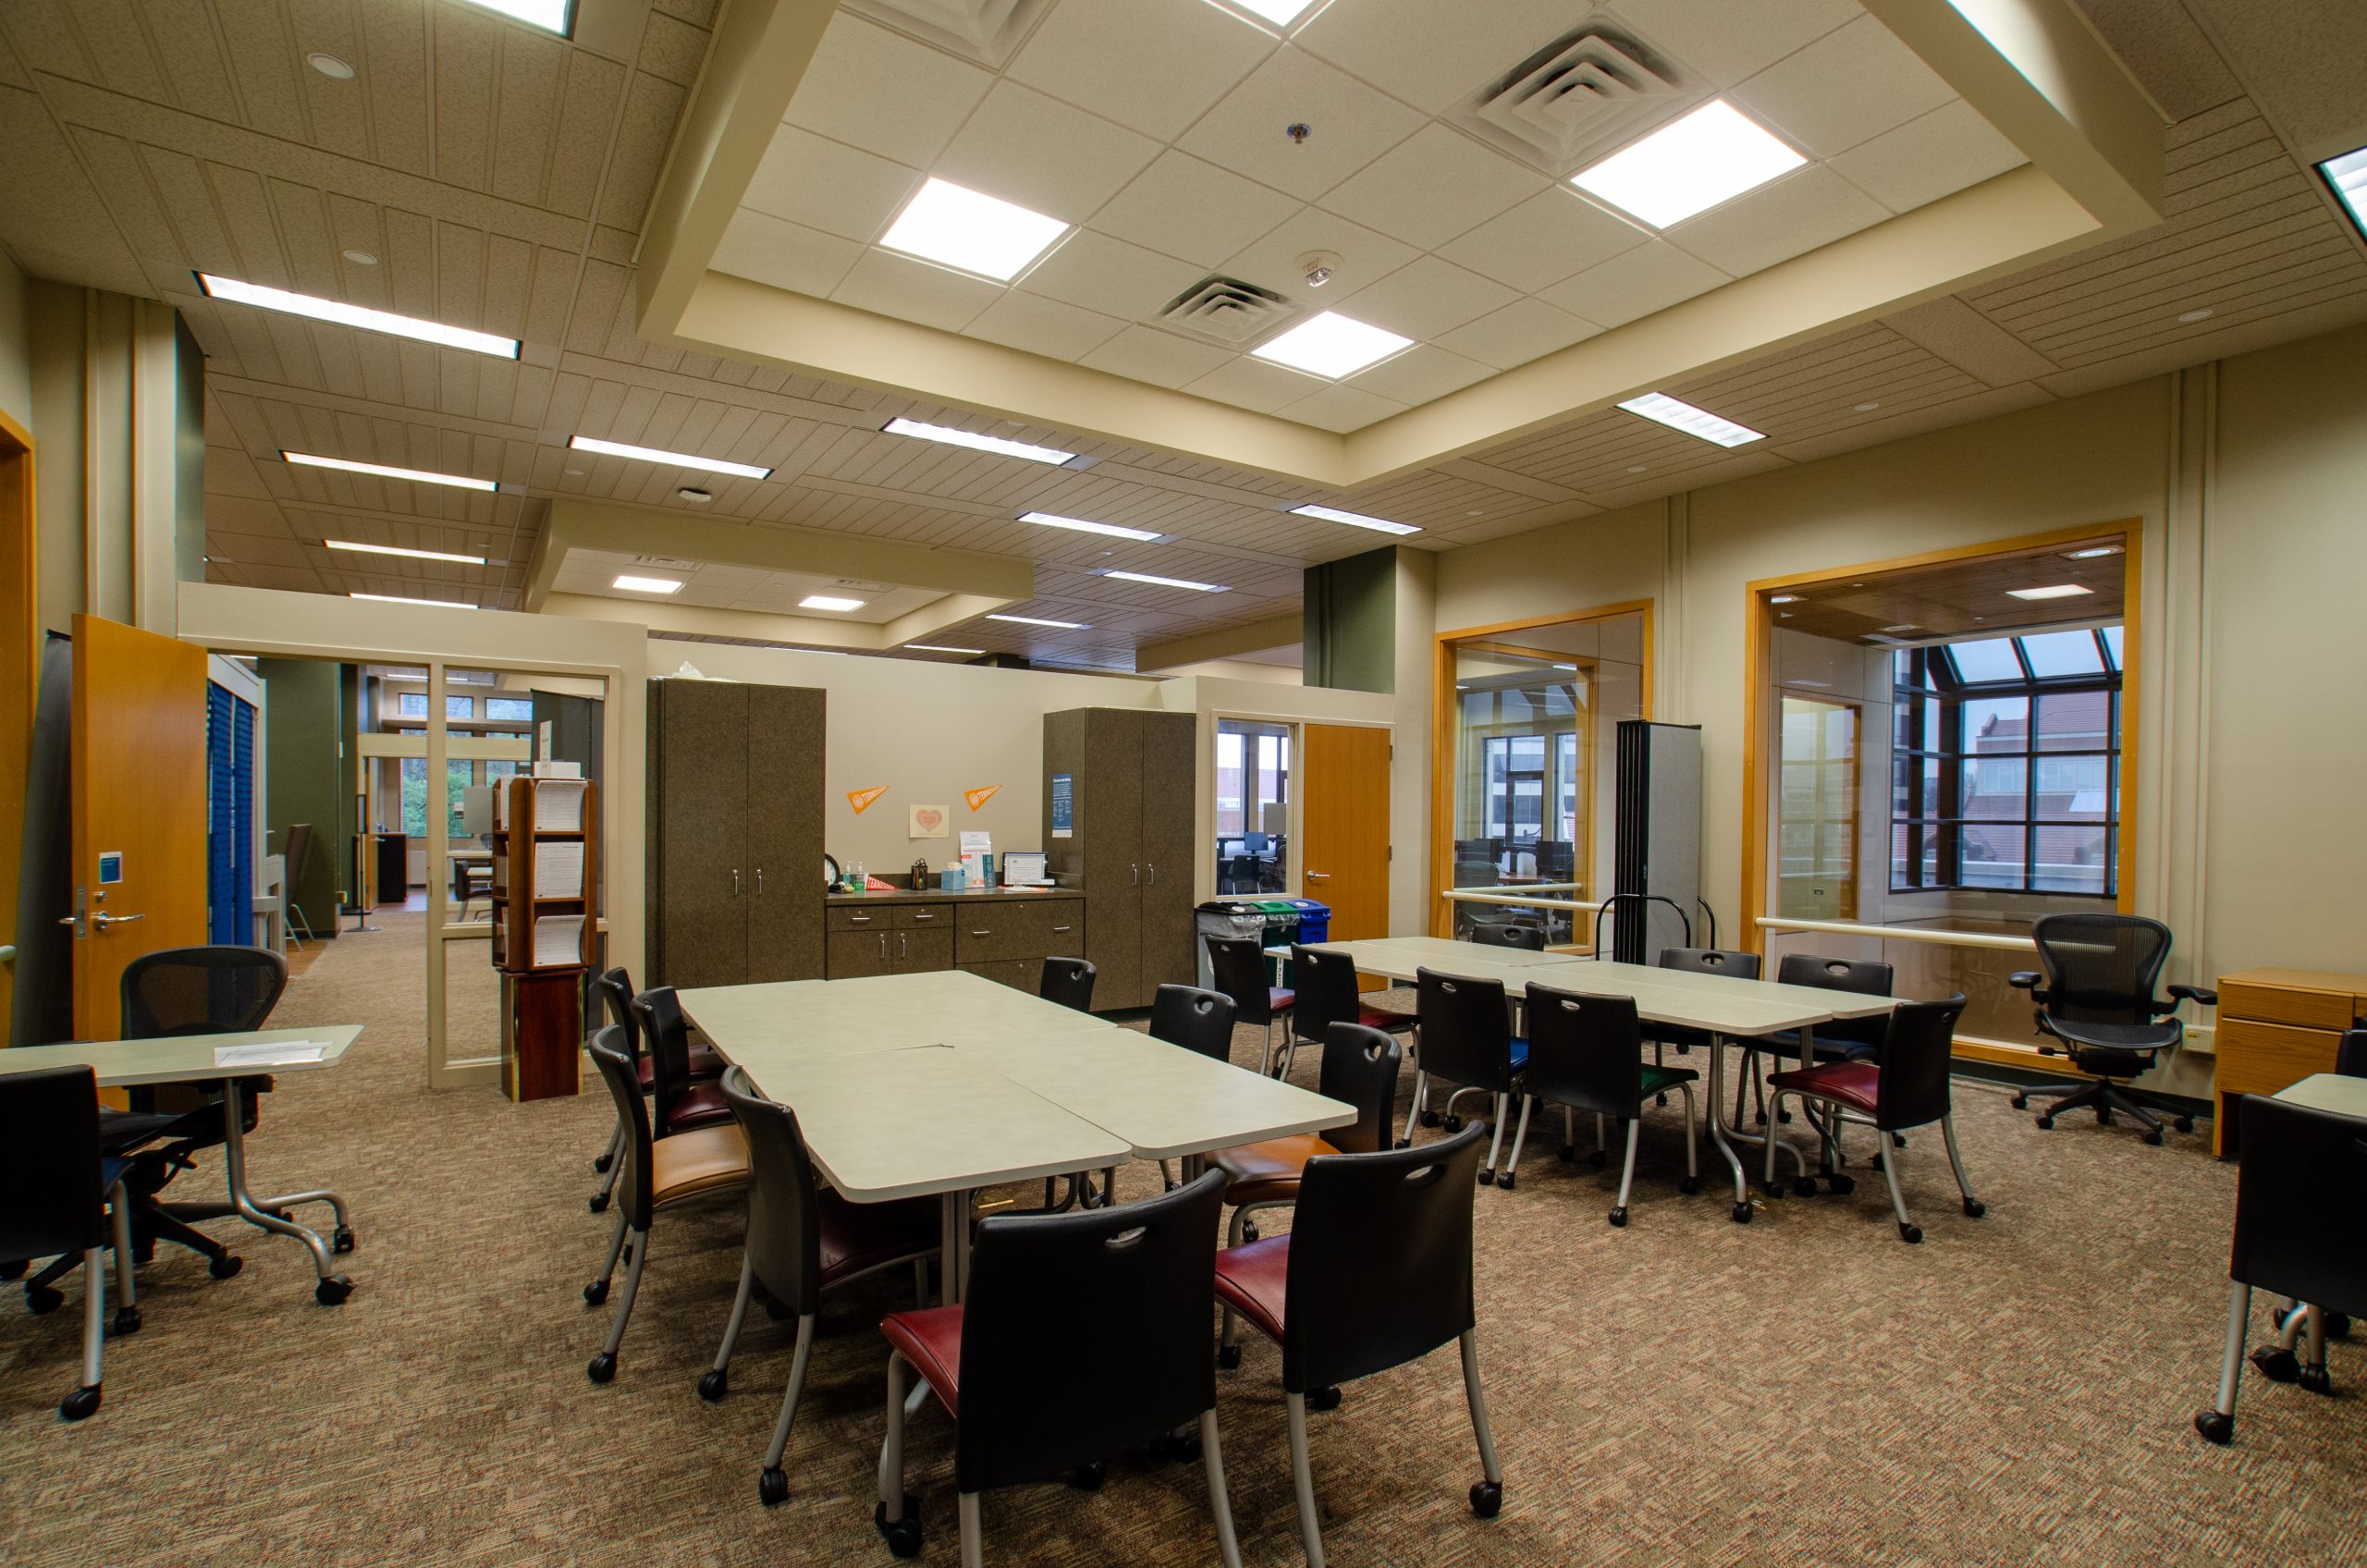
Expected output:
(1350, 610)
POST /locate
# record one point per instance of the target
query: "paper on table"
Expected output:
(558, 941)
(277, 1053)
(558, 870)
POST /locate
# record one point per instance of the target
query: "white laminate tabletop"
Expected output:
(2329, 1091)
(183, 1058)
(880, 1013)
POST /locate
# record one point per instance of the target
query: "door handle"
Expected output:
(102, 919)
(1318, 876)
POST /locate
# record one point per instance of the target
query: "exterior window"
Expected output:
(514, 710)
(411, 705)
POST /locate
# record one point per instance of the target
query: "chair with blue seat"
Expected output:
(1466, 1038)
(59, 1190)
(1586, 1054)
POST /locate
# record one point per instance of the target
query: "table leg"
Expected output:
(265, 1213)
(953, 1247)
(1193, 1165)
(1718, 1124)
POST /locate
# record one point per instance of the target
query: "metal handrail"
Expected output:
(1903, 934)
(1531, 895)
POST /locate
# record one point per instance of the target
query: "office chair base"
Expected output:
(1488, 1499)
(2217, 1426)
(81, 1404)
(903, 1535)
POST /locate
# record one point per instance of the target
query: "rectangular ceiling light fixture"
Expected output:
(672, 459)
(551, 15)
(1169, 581)
(1664, 409)
(397, 550)
(416, 475)
(2348, 175)
(2092, 551)
(1282, 13)
(397, 599)
(338, 311)
(633, 584)
(1356, 520)
(994, 444)
(1032, 620)
(1331, 345)
(1051, 520)
(1711, 155)
(968, 229)
(830, 602)
(937, 648)
(2058, 591)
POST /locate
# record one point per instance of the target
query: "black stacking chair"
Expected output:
(1359, 1068)
(615, 987)
(2301, 1230)
(1238, 966)
(2096, 1000)
(1586, 1054)
(1325, 987)
(2278, 1362)
(1694, 961)
(1375, 1272)
(803, 1238)
(1468, 1039)
(1126, 1286)
(1068, 981)
(1509, 934)
(656, 1174)
(1907, 1088)
(1195, 1019)
(1844, 1039)
(58, 1184)
(678, 1103)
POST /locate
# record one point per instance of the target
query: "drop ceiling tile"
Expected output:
(884, 92)
(1349, 125)
(1043, 325)
(1544, 241)
(1254, 384)
(1109, 275)
(1927, 158)
(1364, 257)
(827, 184)
(1431, 54)
(787, 255)
(1517, 334)
(1634, 283)
(1805, 209)
(898, 285)
(1421, 374)
(1425, 298)
(1341, 408)
(1432, 187)
(1042, 153)
(1185, 207)
(1145, 354)
(1728, 42)
(1155, 68)
(1847, 86)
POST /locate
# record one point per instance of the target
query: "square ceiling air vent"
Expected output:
(989, 32)
(1578, 97)
(1223, 309)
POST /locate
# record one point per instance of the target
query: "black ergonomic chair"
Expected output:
(1908, 1087)
(705, 1065)
(656, 1174)
(1359, 1068)
(58, 1185)
(1586, 1054)
(1852, 1039)
(1195, 1019)
(1325, 988)
(803, 1238)
(1127, 1286)
(1468, 1039)
(1375, 1272)
(1237, 964)
(1068, 981)
(2096, 999)
(2301, 1230)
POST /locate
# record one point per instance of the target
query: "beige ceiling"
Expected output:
(501, 178)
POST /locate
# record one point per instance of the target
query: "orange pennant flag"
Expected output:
(980, 797)
(861, 799)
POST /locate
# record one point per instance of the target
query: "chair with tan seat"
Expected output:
(657, 1173)
(705, 1066)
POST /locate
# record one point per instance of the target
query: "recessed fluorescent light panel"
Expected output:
(830, 602)
(1331, 345)
(2348, 175)
(2058, 591)
(338, 311)
(417, 476)
(1356, 520)
(1784, 599)
(672, 459)
(1051, 519)
(397, 599)
(1169, 581)
(1282, 13)
(1662, 409)
(1032, 620)
(968, 229)
(2093, 552)
(936, 648)
(552, 15)
(994, 444)
(398, 550)
(1711, 155)
(633, 584)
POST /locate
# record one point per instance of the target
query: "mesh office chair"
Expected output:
(57, 1183)
(2097, 1001)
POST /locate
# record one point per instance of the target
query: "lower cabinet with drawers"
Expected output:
(2277, 1026)
(1001, 937)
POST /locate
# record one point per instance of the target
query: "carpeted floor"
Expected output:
(1805, 1388)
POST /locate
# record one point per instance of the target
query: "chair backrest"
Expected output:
(49, 1164)
(1238, 966)
(784, 1201)
(1585, 1051)
(632, 1188)
(1324, 987)
(616, 997)
(1360, 1067)
(1509, 934)
(665, 1035)
(1865, 976)
(1197, 1020)
(1467, 1032)
(2350, 1055)
(215, 990)
(2102, 968)
(1380, 1259)
(1241, 869)
(2302, 1204)
(1256, 843)
(1068, 981)
(1914, 1085)
(1129, 1287)
(1710, 960)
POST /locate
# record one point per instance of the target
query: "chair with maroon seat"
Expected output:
(1468, 1039)
(1375, 1272)
(615, 987)
(1238, 966)
(1127, 1288)
(1359, 1068)
(1324, 990)
(1586, 1054)
(803, 1239)
(1908, 1088)
(677, 1101)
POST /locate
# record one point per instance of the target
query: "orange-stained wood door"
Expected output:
(1343, 785)
(139, 792)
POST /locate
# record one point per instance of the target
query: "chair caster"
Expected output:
(713, 1387)
(1504, 1181)
(1229, 1357)
(1804, 1186)
(1688, 1185)
(596, 1293)
(602, 1367)
(1488, 1499)
(2316, 1380)
(41, 1300)
(600, 1166)
(2021, 1102)
(1910, 1233)
(776, 1311)
(1249, 1230)
(2337, 1325)
(903, 1537)
(2154, 1136)
(1429, 1119)
(1783, 1116)
(14, 1270)
(1619, 1216)
(332, 1291)
(2217, 1426)
(1176, 1448)
(79, 1404)
(772, 1486)
(1742, 1213)
(2104, 1117)
(1772, 1189)
(1403, 1143)
(2184, 1123)
(1898, 1140)
(1569, 1155)
(1487, 1178)
(125, 1321)
(1660, 1099)
(1836, 1183)
(2045, 1121)
(1323, 1399)
(223, 1268)
(1089, 1477)
(597, 1203)
(2276, 1364)
(1451, 1124)
(341, 1239)
(1974, 1208)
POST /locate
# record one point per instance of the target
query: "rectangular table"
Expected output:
(2329, 1091)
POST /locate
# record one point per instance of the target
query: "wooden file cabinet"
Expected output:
(2278, 1027)
(1000, 936)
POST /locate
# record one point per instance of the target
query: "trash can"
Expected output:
(1225, 917)
(1314, 920)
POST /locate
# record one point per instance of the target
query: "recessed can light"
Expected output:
(1637, 467)
(361, 258)
(1866, 407)
(693, 494)
(329, 66)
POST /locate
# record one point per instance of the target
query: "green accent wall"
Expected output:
(305, 720)
(1351, 610)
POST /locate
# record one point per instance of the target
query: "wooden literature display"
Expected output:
(546, 920)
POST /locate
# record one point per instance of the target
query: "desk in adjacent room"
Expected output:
(2277, 1026)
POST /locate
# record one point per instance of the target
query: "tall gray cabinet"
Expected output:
(735, 833)
(1130, 789)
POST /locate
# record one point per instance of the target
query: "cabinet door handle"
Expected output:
(760, 881)
(1137, 870)
(903, 945)
(883, 947)
(921, 914)
(1154, 872)
(981, 933)
(735, 881)
(1063, 930)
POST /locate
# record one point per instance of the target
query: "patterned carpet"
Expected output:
(1805, 1388)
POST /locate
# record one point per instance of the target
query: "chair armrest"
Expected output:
(2200, 995)
(2024, 979)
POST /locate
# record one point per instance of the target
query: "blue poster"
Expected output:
(1063, 805)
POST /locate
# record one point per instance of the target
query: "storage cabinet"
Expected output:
(1001, 937)
(1131, 794)
(735, 833)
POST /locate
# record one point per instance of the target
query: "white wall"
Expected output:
(16, 346)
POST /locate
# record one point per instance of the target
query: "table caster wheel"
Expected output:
(2045, 1121)
(225, 1267)
(2316, 1380)
(1836, 1183)
(1783, 1116)
(1229, 1356)
(1323, 1399)
(1910, 1233)
(601, 1368)
(2184, 1123)
(903, 1537)
(1488, 1499)
(1504, 1180)
(1772, 1189)
(1569, 1155)
(597, 1203)
(1804, 1186)
(596, 1293)
(772, 1486)
(2021, 1102)
(341, 1239)
(40, 1301)
(1690, 1185)
(79, 1404)
(2154, 1136)
(1974, 1208)
(1742, 1213)
(1619, 1216)
(127, 1321)
(333, 1290)
(713, 1387)
(1089, 1477)
(2216, 1426)
(1451, 1124)
(1429, 1119)
(2276, 1364)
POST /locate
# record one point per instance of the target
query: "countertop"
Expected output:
(904, 895)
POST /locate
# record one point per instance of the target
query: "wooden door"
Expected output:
(698, 764)
(1110, 820)
(1343, 804)
(1169, 794)
(20, 638)
(138, 805)
(785, 731)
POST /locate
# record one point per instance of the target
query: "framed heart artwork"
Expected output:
(928, 822)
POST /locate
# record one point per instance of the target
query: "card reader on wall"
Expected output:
(1025, 868)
